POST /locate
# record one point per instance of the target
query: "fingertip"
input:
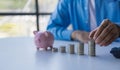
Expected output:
(90, 36)
(101, 45)
(97, 42)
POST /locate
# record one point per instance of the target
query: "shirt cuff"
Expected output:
(67, 34)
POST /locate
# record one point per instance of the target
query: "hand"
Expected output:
(106, 33)
(80, 36)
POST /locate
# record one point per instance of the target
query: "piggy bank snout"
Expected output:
(35, 32)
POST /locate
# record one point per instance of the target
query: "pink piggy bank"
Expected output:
(43, 39)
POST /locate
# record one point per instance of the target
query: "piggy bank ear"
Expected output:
(46, 34)
(34, 32)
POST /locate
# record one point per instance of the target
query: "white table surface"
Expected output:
(21, 54)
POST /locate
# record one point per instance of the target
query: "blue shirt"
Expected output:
(76, 12)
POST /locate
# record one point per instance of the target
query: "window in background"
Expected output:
(14, 26)
(46, 6)
(17, 26)
(17, 5)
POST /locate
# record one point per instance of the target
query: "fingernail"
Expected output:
(101, 45)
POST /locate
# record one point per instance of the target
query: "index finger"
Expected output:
(101, 28)
(91, 35)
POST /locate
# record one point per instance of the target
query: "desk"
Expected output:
(21, 54)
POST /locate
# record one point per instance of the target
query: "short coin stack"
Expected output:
(81, 49)
(71, 49)
(62, 49)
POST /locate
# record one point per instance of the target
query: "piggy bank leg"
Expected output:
(51, 47)
(37, 48)
(45, 49)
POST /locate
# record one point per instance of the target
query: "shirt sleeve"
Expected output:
(60, 20)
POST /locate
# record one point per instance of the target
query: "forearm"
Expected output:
(60, 34)
(74, 34)
(81, 36)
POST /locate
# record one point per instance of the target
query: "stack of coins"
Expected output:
(54, 49)
(81, 49)
(62, 49)
(71, 49)
(91, 48)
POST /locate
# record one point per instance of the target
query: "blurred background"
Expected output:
(24, 25)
